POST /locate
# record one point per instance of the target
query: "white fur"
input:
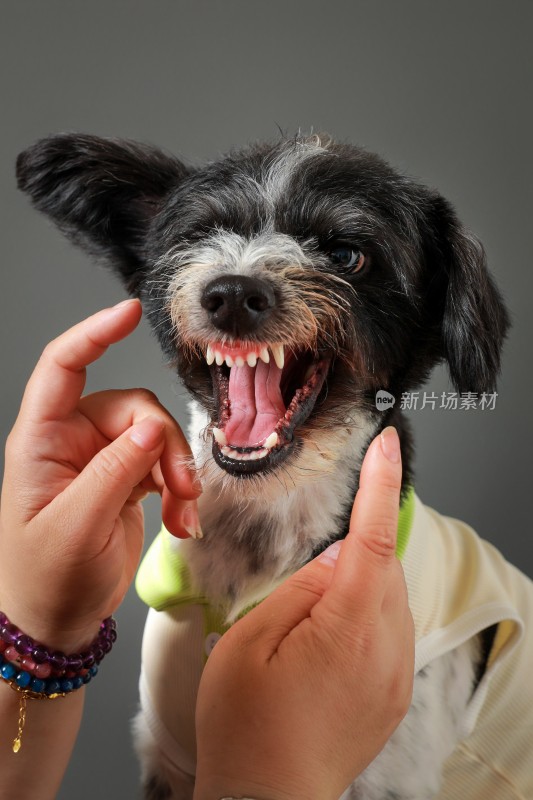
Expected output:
(302, 505)
(410, 765)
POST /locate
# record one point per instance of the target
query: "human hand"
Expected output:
(71, 521)
(300, 695)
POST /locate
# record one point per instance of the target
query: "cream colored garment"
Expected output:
(458, 585)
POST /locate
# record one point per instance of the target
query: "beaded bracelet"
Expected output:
(38, 674)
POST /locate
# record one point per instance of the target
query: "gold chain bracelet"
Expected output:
(25, 695)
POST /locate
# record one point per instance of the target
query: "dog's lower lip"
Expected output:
(242, 468)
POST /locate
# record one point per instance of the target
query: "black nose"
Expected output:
(238, 304)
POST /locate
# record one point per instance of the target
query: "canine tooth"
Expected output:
(239, 361)
(229, 361)
(220, 436)
(219, 358)
(277, 352)
(210, 355)
(264, 355)
(251, 359)
(271, 441)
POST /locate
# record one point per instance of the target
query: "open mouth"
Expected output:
(263, 392)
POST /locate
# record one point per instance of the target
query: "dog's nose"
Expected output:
(237, 304)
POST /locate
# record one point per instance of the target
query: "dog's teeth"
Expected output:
(253, 455)
(210, 355)
(277, 352)
(271, 441)
(264, 355)
(309, 372)
(229, 361)
(220, 436)
(239, 361)
(251, 359)
(219, 358)
(257, 454)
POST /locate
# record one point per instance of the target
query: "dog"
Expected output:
(287, 284)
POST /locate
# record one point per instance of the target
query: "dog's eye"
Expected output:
(347, 260)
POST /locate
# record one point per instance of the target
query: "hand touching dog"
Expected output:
(76, 470)
(333, 646)
(306, 689)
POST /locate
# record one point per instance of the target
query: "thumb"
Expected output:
(368, 554)
(104, 486)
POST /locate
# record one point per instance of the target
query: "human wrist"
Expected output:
(213, 786)
(58, 634)
(34, 666)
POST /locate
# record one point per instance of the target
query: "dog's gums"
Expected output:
(260, 402)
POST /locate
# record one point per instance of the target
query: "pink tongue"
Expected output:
(256, 404)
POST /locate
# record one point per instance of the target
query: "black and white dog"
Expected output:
(287, 283)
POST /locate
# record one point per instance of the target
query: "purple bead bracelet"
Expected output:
(38, 660)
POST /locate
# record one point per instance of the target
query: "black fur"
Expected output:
(156, 789)
(426, 297)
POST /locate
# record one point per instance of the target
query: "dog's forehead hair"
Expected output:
(305, 187)
(239, 192)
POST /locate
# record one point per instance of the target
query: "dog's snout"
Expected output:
(237, 304)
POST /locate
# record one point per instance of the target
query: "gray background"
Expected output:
(443, 90)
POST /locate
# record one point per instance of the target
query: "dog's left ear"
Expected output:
(102, 193)
(474, 318)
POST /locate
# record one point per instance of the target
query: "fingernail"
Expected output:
(331, 554)
(147, 433)
(119, 306)
(390, 444)
(191, 521)
(126, 302)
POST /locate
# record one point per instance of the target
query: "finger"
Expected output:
(101, 490)
(57, 382)
(113, 411)
(180, 517)
(368, 554)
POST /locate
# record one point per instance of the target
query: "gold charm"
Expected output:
(24, 695)
(17, 743)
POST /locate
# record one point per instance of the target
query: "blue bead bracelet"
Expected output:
(39, 674)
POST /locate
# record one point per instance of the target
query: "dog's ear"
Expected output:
(102, 193)
(474, 319)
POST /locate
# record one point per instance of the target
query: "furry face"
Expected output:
(287, 283)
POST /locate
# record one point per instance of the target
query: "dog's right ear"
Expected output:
(102, 193)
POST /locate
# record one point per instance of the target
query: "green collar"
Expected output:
(163, 580)
(405, 521)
